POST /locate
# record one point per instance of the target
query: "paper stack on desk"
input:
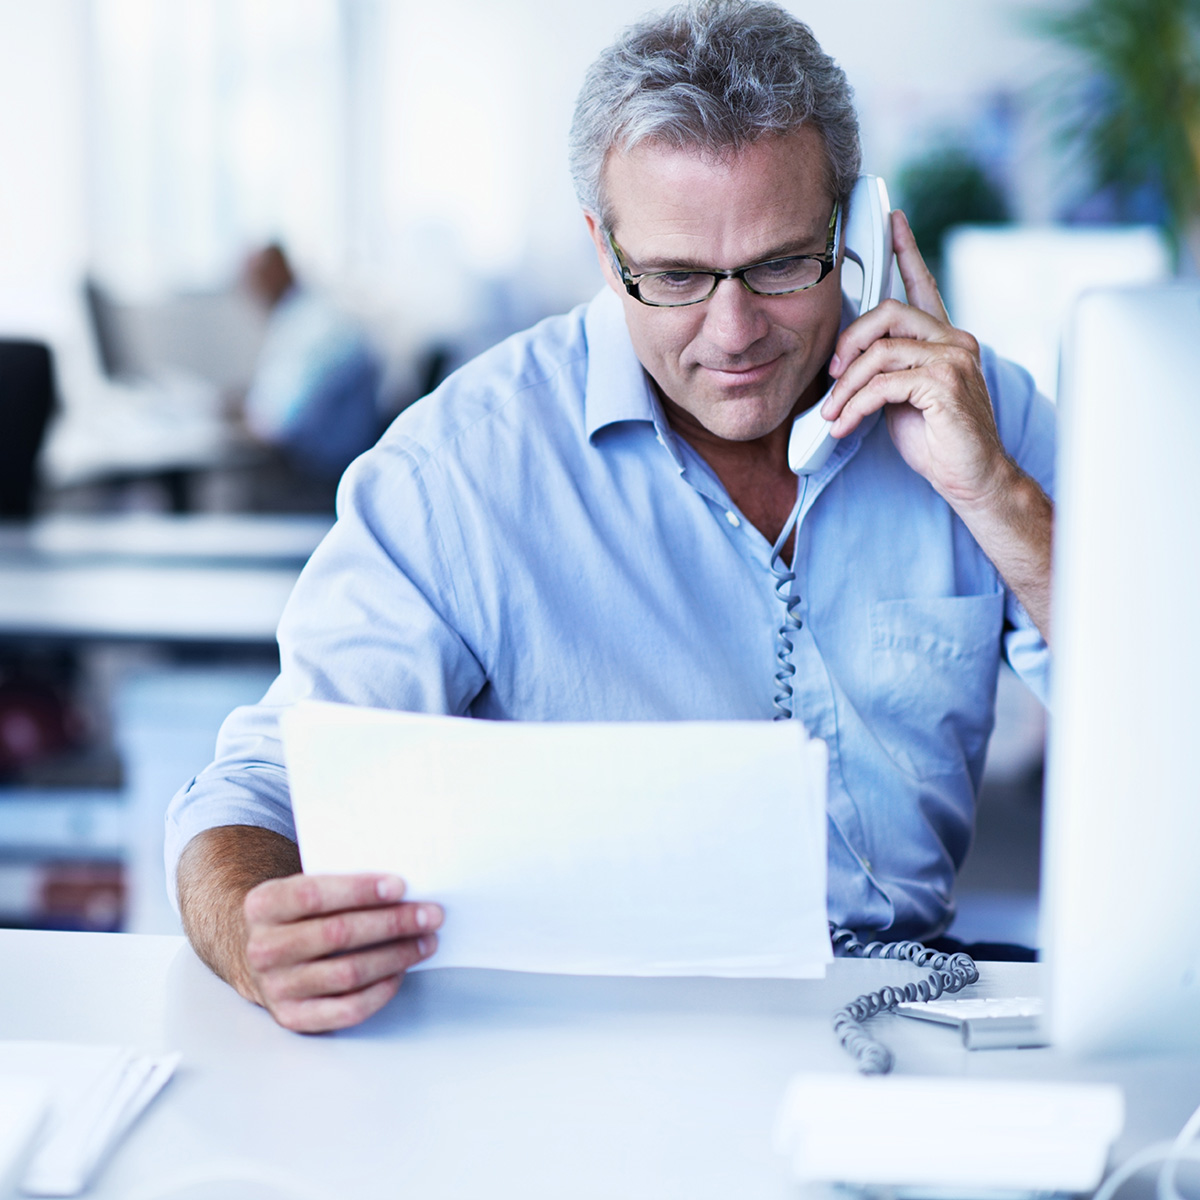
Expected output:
(928, 1136)
(23, 1107)
(96, 1093)
(674, 848)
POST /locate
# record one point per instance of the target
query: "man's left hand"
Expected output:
(909, 358)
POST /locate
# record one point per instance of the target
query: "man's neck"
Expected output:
(755, 473)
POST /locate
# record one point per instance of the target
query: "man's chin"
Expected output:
(726, 414)
(737, 421)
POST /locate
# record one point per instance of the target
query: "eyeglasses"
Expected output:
(775, 277)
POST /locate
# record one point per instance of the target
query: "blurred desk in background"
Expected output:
(111, 434)
(157, 602)
(155, 627)
(202, 538)
(222, 579)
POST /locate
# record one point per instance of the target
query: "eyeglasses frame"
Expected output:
(827, 260)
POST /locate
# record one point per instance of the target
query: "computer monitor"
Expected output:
(105, 324)
(1121, 865)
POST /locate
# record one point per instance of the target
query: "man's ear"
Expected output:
(603, 253)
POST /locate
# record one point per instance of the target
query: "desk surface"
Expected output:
(148, 601)
(480, 1083)
(174, 579)
(202, 538)
(112, 429)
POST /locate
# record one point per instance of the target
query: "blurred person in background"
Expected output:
(314, 396)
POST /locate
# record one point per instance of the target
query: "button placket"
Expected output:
(813, 699)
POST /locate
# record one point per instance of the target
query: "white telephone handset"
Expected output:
(868, 240)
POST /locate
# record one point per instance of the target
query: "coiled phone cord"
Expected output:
(947, 973)
(784, 644)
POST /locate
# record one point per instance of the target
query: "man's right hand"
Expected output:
(324, 952)
(319, 952)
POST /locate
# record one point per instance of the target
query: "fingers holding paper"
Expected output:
(326, 951)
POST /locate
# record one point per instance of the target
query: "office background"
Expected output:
(411, 154)
(411, 158)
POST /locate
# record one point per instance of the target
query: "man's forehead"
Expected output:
(658, 185)
(803, 142)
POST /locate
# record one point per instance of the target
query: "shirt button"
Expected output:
(733, 519)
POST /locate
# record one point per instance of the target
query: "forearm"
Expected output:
(216, 870)
(1014, 527)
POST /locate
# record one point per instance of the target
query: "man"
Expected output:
(314, 397)
(587, 522)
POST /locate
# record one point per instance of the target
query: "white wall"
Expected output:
(479, 96)
(454, 162)
(43, 160)
(930, 66)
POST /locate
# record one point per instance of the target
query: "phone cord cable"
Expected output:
(785, 577)
(946, 973)
(1166, 1155)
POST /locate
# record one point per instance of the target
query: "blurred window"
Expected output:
(380, 140)
(217, 124)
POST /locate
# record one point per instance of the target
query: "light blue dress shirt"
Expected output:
(533, 542)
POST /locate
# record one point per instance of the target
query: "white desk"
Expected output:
(476, 1084)
(108, 429)
(211, 579)
(156, 537)
(150, 602)
(174, 579)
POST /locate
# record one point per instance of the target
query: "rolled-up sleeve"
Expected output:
(1026, 422)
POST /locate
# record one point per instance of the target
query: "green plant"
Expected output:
(943, 188)
(1133, 107)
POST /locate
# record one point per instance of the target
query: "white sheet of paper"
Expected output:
(96, 1093)
(670, 848)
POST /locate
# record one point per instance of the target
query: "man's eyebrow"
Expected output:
(786, 250)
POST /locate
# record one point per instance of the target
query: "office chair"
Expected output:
(26, 401)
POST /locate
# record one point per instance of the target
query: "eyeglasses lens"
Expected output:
(773, 278)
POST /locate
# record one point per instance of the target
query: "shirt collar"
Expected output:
(618, 388)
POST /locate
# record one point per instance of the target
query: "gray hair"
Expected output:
(714, 75)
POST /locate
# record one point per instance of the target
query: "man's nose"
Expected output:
(735, 319)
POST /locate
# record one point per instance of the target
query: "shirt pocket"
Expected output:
(934, 663)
